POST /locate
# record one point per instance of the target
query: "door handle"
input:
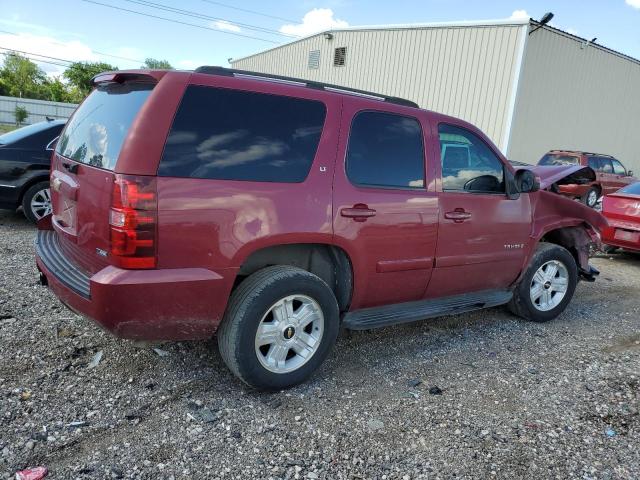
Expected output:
(458, 215)
(359, 212)
(70, 167)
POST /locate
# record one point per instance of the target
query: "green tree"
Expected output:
(79, 75)
(21, 114)
(152, 63)
(57, 91)
(21, 77)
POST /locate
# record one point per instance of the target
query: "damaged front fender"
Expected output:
(567, 223)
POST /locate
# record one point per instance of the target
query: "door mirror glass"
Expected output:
(526, 181)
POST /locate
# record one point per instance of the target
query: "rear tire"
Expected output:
(36, 201)
(547, 285)
(280, 325)
(590, 199)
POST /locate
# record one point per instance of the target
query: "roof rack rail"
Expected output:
(232, 72)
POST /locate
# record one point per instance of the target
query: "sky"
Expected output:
(93, 30)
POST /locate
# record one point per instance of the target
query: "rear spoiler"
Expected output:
(128, 76)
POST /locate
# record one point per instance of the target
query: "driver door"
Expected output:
(483, 235)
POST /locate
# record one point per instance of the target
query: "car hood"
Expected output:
(568, 174)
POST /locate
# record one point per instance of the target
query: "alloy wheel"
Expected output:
(289, 333)
(549, 285)
(41, 203)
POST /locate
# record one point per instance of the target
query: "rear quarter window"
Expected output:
(238, 135)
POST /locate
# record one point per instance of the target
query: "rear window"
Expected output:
(95, 133)
(633, 189)
(558, 159)
(236, 135)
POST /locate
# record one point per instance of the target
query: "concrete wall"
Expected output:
(576, 97)
(38, 109)
(467, 71)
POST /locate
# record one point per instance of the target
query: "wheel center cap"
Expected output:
(547, 285)
(289, 332)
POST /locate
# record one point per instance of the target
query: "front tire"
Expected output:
(280, 325)
(547, 286)
(36, 201)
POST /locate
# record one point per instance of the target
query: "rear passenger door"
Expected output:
(385, 214)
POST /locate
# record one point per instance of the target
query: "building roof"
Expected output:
(457, 24)
(399, 26)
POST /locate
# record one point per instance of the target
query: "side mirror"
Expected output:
(629, 173)
(526, 181)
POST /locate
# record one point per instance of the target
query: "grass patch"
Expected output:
(4, 128)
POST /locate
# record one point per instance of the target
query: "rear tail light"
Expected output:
(133, 220)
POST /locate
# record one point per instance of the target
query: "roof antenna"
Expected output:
(546, 18)
(585, 44)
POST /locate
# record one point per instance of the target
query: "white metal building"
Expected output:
(530, 91)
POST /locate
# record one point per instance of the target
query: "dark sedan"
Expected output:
(25, 157)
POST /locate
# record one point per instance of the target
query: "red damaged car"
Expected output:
(275, 211)
(611, 174)
(622, 210)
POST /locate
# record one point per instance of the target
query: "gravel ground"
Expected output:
(475, 395)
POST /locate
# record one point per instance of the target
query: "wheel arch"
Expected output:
(30, 183)
(329, 262)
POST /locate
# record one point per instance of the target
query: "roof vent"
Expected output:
(314, 59)
(339, 56)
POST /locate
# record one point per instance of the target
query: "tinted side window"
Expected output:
(235, 135)
(468, 163)
(618, 169)
(594, 163)
(385, 150)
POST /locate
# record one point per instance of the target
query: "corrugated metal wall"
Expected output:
(464, 71)
(576, 98)
(38, 109)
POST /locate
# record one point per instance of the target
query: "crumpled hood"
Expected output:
(551, 174)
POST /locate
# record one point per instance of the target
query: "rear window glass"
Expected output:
(95, 133)
(558, 159)
(236, 135)
(633, 189)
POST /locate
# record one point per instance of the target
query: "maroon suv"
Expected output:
(274, 210)
(611, 175)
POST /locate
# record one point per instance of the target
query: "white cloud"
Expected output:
(314, 21)
(50, 47)
(224, 25)
(519, 15)
(633, 3)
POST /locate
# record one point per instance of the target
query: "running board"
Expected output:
(376, 317)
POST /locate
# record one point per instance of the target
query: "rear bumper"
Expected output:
(164, 304)
(609, 237)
